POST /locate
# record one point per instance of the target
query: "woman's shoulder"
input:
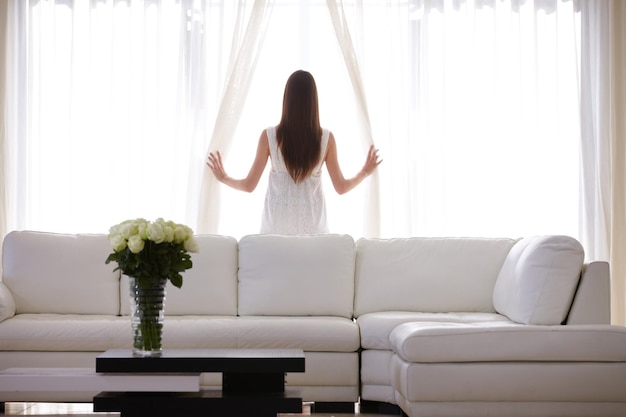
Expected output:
(270, 132)
(327, 135)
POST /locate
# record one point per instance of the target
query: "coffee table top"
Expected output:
(203, 360)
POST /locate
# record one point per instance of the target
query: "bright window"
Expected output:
(473, 104)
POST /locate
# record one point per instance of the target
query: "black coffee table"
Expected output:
(253, 383)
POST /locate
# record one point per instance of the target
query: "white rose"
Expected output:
(127, 229)
(191, 245)
(155, 232)
(118, 242)
(136, 244)
(140, 226)
(168, 232)
(180, 233)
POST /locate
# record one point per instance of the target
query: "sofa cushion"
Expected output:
(209, 287)
(60, 273)
(508, 342)
(538, 279)
(7, 304)
(311, 334)
(376, 327)
(65, 332)
(306, 275)
(434, 275)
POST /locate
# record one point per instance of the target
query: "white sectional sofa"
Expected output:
(436, 326)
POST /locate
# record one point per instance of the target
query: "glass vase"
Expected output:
(147, 301)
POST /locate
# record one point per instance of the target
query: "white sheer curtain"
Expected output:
(4, 23)
(475, 107)
(371, 227)
(111, 104)
(242, 65)
(603, 106)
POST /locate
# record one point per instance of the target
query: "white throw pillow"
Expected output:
(538, 279)
(305, 275)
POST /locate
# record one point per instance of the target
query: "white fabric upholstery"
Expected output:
(434, 275)
(314, 333)
(296, 275)
(594, 289)
(376, 327)
(538, 279)
(508, 342)
(60, 273)
(65, 332)
(196, 332)
(347, 306)
(209, 287)
(7, 304)
(513, 408)
(376, 376)
(509, 381)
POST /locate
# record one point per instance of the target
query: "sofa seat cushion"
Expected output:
(376, 327)
(320, 334)
(69, 332)
(64, 332)
(508, 342)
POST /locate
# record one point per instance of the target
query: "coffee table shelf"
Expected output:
(253, 383)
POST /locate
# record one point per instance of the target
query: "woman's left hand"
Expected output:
(215, 163)
(372, 161)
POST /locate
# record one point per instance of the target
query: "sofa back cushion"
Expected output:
(209, 287)
(538, 279)
(308, 275)
(434, 275)
(60, 273)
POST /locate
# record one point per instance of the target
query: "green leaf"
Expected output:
(176, 280)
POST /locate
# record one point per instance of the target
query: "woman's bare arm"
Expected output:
(250, 182)
(341, 184)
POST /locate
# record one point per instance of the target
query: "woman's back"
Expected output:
(290, 207)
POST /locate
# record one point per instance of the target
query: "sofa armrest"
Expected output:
(592, 301)
(7, 303)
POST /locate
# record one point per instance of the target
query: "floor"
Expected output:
(85, 410)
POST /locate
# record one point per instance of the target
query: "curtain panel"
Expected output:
(603, 127)
(243, 58)
(4, 80)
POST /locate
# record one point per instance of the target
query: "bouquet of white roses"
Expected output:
(149, 251)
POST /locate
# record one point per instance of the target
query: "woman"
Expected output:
(298, 147)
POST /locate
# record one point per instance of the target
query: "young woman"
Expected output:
(297, 147)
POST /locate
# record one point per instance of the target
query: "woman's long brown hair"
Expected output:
(299, 133)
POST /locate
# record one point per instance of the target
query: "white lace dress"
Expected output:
(290, 208)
